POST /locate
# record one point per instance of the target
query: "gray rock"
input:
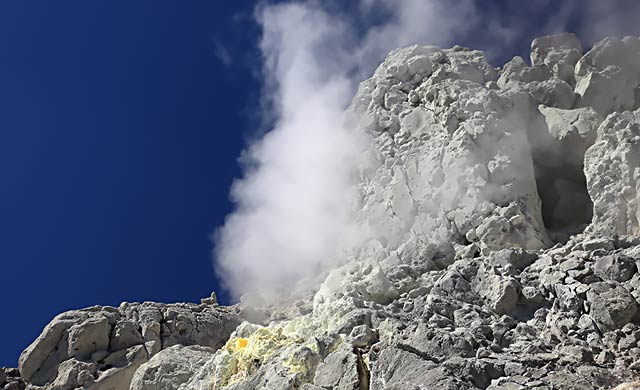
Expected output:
(362, 336)
(474, 371)
(516, 257)
(553, 93)
(559, 52)
(88, 336)
(124, 335)
(611, 305)
(118, 369)
(568, 299)
(338, 371)
(453, 285)
(585, 377)
(398, 369)
(500, 291)
(615, 268)
(435, 345)
(170, 368)
(608, 90)
(72, 373)
(101, 347)
(611, 166)
(10, 379)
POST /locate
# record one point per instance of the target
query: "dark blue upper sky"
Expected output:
(119, 132)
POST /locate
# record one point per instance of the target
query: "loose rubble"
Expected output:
(504, 215)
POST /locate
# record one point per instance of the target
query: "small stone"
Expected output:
(517, 257)
(362, 336)
(627, 342)
(532, 294)
(85, 378)
(483, 353)
(604, 357)
(575, 353)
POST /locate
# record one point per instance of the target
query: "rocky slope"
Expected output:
(503, 213)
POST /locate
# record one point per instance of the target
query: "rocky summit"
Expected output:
(502, 211)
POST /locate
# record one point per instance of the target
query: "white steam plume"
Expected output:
(292, 206)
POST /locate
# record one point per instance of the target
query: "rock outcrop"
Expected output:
(102, 347)
(503, 207)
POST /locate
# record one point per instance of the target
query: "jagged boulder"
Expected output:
(559, 53)
(608, 75)
(611, 305)
(612, 168)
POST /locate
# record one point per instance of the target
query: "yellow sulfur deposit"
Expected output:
(241, 343)
(245, 355)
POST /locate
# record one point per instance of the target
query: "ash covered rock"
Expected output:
(503, 216)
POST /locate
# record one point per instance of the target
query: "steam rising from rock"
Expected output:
(293, 204)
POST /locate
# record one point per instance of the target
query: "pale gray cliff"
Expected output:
(502, 211)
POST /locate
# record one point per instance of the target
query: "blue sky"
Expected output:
(120, 127)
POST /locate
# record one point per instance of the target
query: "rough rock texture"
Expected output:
(170, 368)
(102, 347)
(10, 379)
(502, 206)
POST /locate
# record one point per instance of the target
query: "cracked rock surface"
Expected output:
(102, 347)
(503, 212)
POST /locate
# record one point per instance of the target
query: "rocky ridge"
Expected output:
(102, 347)
(503, 209)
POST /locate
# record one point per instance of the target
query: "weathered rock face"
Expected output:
(502, 207)
(612, 167)
(170, 368)
(102, 347)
